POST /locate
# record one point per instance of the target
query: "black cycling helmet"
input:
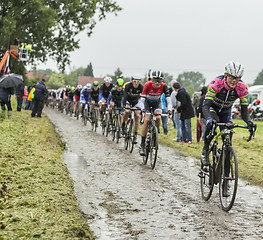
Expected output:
(157, 75)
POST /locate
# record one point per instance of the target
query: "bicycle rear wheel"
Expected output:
(207, 177)
(229, 179)
(154, 147)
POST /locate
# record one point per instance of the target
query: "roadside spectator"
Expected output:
(164, 111)
(200, 113)
(19, 96)
(25, 97)
(40, 95)
(29, 102)
(196, 104)
(176, 116)
(186, 110)
(5, 100)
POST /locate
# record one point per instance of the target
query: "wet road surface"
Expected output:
(124, 199)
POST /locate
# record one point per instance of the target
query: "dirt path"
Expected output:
(124, 199)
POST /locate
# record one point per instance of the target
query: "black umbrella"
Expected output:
(11, 80)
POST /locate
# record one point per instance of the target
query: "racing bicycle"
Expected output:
(223, 165)
(151, 142)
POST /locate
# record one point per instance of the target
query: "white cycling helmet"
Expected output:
(107, 79)
(88, 86)
(79, 86)
(157, 75)
(234, 69)
(136, 76)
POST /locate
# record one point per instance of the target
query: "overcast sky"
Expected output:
(175, 36)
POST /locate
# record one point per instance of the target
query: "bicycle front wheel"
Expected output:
(229, 179)
(95, 119)
(147, 149)
(113, 129)
(77, 111)
(127, 136)
(154, 147)
(71, 109)
(131, 136)
(85, 118)
(118, 130)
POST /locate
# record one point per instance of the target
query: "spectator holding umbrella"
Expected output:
(7, 84)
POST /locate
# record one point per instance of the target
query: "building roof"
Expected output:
(83, 80)
(35, 74)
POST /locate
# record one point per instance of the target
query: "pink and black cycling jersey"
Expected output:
(223, 96)
(152, 94)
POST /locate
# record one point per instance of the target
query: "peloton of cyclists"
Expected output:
(131, 95)
(151, 98)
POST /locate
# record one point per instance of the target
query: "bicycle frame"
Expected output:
(224, 168)
(226, 143)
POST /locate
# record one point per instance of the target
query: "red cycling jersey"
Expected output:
(153, 94)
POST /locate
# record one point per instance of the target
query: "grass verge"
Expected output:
(250, 164)
(36, 192)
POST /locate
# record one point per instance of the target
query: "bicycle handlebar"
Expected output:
(233, 125)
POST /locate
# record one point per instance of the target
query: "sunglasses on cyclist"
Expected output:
(232, 77)
(135, 81)
(157, 80)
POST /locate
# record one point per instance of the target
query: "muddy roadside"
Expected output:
(124, 199)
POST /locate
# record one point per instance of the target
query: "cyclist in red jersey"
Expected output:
(151, 98)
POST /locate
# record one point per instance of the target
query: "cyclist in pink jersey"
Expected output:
(221, 94)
